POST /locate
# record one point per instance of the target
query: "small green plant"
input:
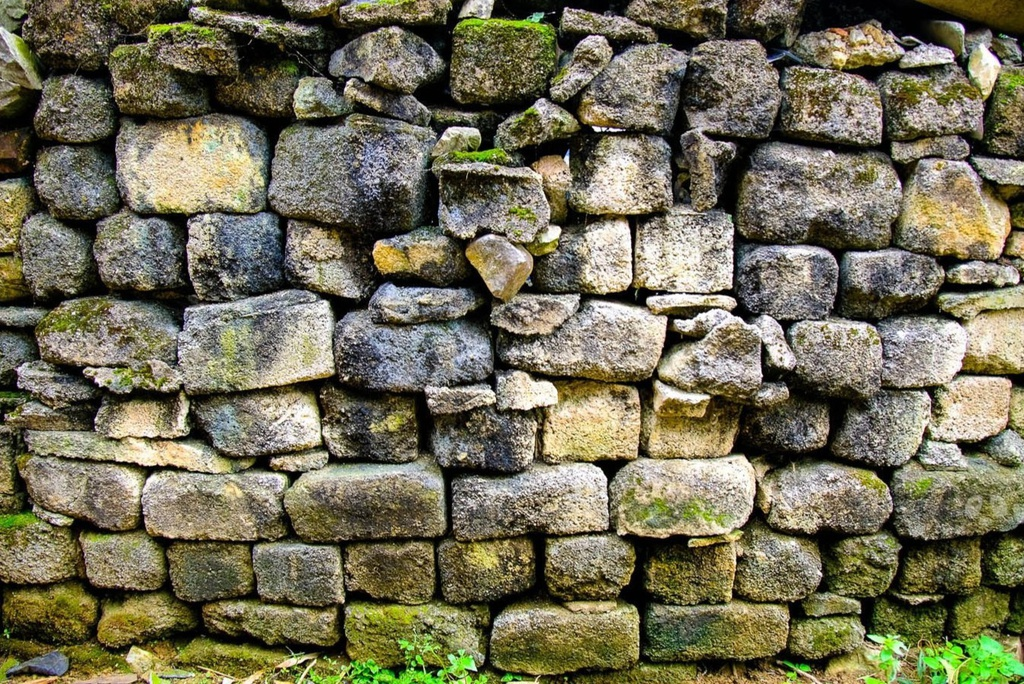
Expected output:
(793, 670)
(889, 659)
(423, 665)
(972, 661)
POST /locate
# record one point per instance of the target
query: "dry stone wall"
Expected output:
(579, 337)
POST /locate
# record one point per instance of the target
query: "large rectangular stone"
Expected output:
(729, 631)
(368, 501)
(273, 624)
(266, 341)
(103, 494)
(684, 250)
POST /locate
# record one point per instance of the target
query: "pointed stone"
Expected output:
(504, 266)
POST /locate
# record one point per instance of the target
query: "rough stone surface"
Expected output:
(837, 358)
(69, 34)
(707, 436)
(165, 418)
(144, 86)
(410, 305)
(592, 421)
(590, 56)
(423, 254)
(595, 258)
(378, 12)
(446, 400)
(402, 572)
(684, 251)
(819, 638)
(776, 567)
(944, 146)
(588, 567)
(970, 408)
(367, 427)
(502, 265)
(950, 567)
(866, 44)
(372, 630)
(136, 253)
(497, 61)
(889, 281)
(679, 574)
(386, 103)
(708, 163)
(995, 343)
(929, 103)
(477, 196)
(797, 425)
(920, 351)
(735, 630)
(787, 283)
(577, 22)
(700, 19)
(725, 362)
(927, 621)
(143, 618)
(57, 258)
(851, 114)
(886, 430)
(1003, 134)
(130, 561)
(273, 624)
(620, 174)
(75, 109)
(519, 391)
(36, 552)
(485, 439)
(102, 494)
(208, 571)
(317, 97)
(232, 257)
(76, 182)
(484, 571)
(862, 566)
(391, 58)
(62, 613)
(541, 123)
(260, 423)
(534, 314)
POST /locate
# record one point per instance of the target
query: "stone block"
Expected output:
(329, 260)
(1003, 561)
(102, 494)
(710, 435)
(851, 114)
(35, 552)
(497, 61)
(368, 501)
(130, 561)
(298, 574)
(891, 616)
(485, 439)
(592, 421)
(144, 86)
(232, 256)
(264, 87)
(76, 182)
(369, 427)
(408, 305)
(861, 567)
(577, 22)
(596, 258)
(928, 103)
(479, 197)
(982, 610)
(18, 201)
(391, 57)
(700, 19)
(259, 423)
(401, 572)
(885, 430)
(735, 631)
(166, 418)
(16, 350)
(890, 281)
(828, 637)
(209, 571)
(57, 258)
(776, 567)
(787, 283)
(920, 351)
(231, 507)
(423, 254)
(970, 408)
(75, 109)
(836, 358)
(136, 253)
(685, 251)
(679, 574)
(62, 613)
(485, 571)
(519, 391)
(71, 35)
(995, 343)
(620, 174)
(594, 567)
(372, 630)
(273, 624)
(1003, 133)
(724, 361)
(949, 567)
(797, 425)
(503, 266)
(143, 618)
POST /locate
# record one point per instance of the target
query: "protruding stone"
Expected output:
(866, 44)
(480, 197)
(283, 34)
(935, 455)
(192, 455)
(689, 305)
(456, 139)
(578, 22)
(259, 423)
(144, 86)
(825, 604)
(995, 343)
(503, 265)
(402, 572)
(970, 408)
(890, 281)
(726, 362)
(837, 358)
(1003, 132)
(443, 401)
(818, 638)
(151, 376)
(679, 574)
(938, 101)
(386, 103)
(317, 97)
(376, 13)
(498, 61)
(699, 19)
(850, 115)
(36, 552)
(520, 391)
(951, 147)
(62, 613)
(273, 624)
(57, 258)
(231, 257)
(485, 571)
(766, 21)
(573, 432)
(166, 418)
(590, 56)
(862, 567)
(736, 631)
(707, 162)
(71, 35)
(533, 314)
(76, 182)
(372, 630)
(988, 273)
(367, 427)
(102, 494)
(423, 254)
(885, 430)
(75, 109)
(541, 123)
(670, 401)
(195, 49)
(620, 174)
(927, 55)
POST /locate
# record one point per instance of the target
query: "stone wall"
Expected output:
(326, 325)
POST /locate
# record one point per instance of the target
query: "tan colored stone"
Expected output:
(995, 343)
(503, 266)
(710, 435)
(592, 421)
(970, 408)
(159, 417)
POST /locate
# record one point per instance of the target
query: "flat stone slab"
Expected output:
(261, 423)
(266, 341)
(273, 624)
(191, 166)
(102, 494)
(368, 501)
(479, 197)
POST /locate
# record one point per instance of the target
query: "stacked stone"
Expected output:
(326, 326)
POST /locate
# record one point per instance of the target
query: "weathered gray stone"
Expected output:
(300, 462)
(16, 349)
(56, 387)
(62, 613)
(596, 258)
(588, 567)
(372, 630)
(794, 194)
(700, 19)
(1006, 448)
(694, 498)
(195, 49)
(944, 146)
(865, 44)
(1008, 174)
(408, 358)
(730, 88)
(410, 305)
(231, 257)
(57, 258)
(484, 439)
(75, 109)
(189, 166)
(368, 501)
(736, 631)
(423, 254)
(620, 174)
(726, 362)
(76, 182)
(150, 375)
(811, 496)
(266, 341)
(787, 283)
(941, 456)
(920, 351)
(766, 21)
(144, 86)
(707, 162)
(34, 415)
(551, 499)
(21, 316)
(391, 58)
(929, 102)
(578, 22)
(35, 552)
(299, 574)
(542, 637)
(485, 570)
(166, 418)
(851, 113)
(69, 34)
(384, 194)
(283, 34)
(446, 400)
(533, 314)
(230, 507)
(709, 435)
(259, 423)
(684, 251)
(376, 13)
(886, 430)
(861, 567)
(386, 103)
(317, 97)
(836, 358)
(927, 55)
(995, 343)
(949, 211)
(22, 75)
(498, 61)
(327, 259)
(950, 567)
(603, 340)
(819, 638)
(590, 56)
(679, 574)
(131, 561)
(890, 281)
(143, 618)
(825, 604)
(970, 408)
(102, 494)
(688, 305)
(208, 571)
(190, 455)
(1003, 133)
(987, 273)
(542, 122)
(991, 496)
(478, 196)
(367, 427)
(669, 401)
(136, 253)
(402, 572)
(776, 567)
(519, 391)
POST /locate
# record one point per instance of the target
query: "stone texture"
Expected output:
(75, 109)
(131, 561)
(423, 254)
(484, 439)
(787, 283)
(730, 89)
(694, 498)
(550, 499)
(816, 639)
(884, 431)
(734, 631)
(443, 401)
(793, 194)
(944, 146)
(502, 265)
(259, 423)
(679, 574)
(620, 174)
(368, 427)
(920, 351)
(273, 624)
(992, 498)
(812, 496)
(967, 305)
(335, 503)
(151, 375)
(851, 113)
(62, 613)
(588, 567)
(797, 425)
(684, 251)
(928, 103)
(17, 202)
(776, 567)
(391, 58)
(987, 273)
(220, 163)
(253, 343)
(534, 314)
(541, 123)
(927, 621)
(865, 44)
(35, 415)
(408, 358)
(861, 567)
(889, 281)
(70, 34)
(232, 257)
(766, 21)
(982, 610)
(725, 362)
(709, 435)
(578, 22)
(16, 349)
(485, 571)
(402, 572)
(144, 86)
(970, 408)
(949, 211)
(380, 13)
(542, 637)
(372, 630)
(76, 182)
(595, 258)
(136, 253)
(386, 103)
(236, 507)
(480, 197)
(592, 421)
(519, 391)
(836, 358)
(1003, 134)
(700, 19)
(36, 552)
(708, 163)
(498, 61)
(209, 571)
(102, 494)
(328, 260)
(603, 340)
(590, 56)
(410, 305)
(317, 97)
(825, 604)
(1003, 561)
(57, 258)
(995, 343)
(950, 567)
(164, 418)
(143, 618)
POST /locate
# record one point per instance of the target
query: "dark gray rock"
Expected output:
(591, 567)
(264, 87)
(16, 348)
(390, 57)
(56, 387)
(541, 123)
(383, 194)
(620, 174)
(208, 571)
(232, 256)
(551, 499)
(259, 423)
(836, 358)
(930, 102)
(142, 254)
(638, 90)
(824, 105)
(920, 351)
(482, 571)
(57, 258)
(387, 103)
(590, 56)
(368, 501)
(408, 358)
(578, 22)
(402, 572)
(72, 35)
(735, 631)
(318, 97)
(367, 427)
(730, 88)
(885, 430)
(1004, 134)
(410, 305)
(299, 574)
(797, 425)
(766, 21)
(102, 494)
(1006, 448)
(862, 567)
(329, 260)
(195, 49)
(75, 109)
(144, 86)
(264, 341)
(423, 254)
(793, 194)
(700, 19)
(776, 567)
(481, 197)
(787, 283)
(890, 281)
(484, 439)
(76, 182)
(52, 664)
(534, 314)
(498, 61)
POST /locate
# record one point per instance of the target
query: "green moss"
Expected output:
(17, 521)
(184, 30)
(920, 488)
(89, 658)
(524, 213)
(239, 660)
(872, 482)
(393, 422)
(495, 156)
(78, 316)
(506, 26)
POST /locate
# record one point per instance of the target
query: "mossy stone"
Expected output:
(912, 623)
(1003, 562)
(861, 567)
(983, 609)
(499, 61)
(140, 618)
(730, 631)
(239, 660)
(948, 567)
(818, 638)
(678, 574)
(56, 613)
